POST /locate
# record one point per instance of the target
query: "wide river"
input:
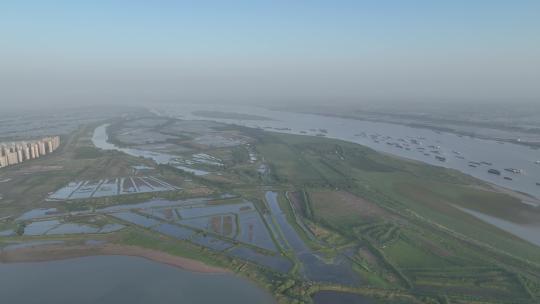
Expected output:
(458, 151)
(120, 279)
(469, 155)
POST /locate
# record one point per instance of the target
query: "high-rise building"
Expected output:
(18, 152)
(3, 161)
(32, 151)
(42, 150)
(26, 151)
(3, 158)
(12, 157)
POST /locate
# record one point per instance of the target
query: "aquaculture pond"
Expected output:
(235, 229)
(314, 267)
(36, 213)
(55, 227)
(275, 262)
(110, 187)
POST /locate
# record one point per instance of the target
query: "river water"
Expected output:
(457, 150)
(120, 279)
(100, 139)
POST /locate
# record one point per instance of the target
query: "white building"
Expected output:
(18, 152)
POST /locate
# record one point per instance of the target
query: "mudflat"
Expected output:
(57, 252)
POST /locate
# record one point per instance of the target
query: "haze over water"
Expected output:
(469, 67)
(278, 52)
(500, 155)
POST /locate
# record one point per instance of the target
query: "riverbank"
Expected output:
(436, 127)
(61, 251)
(112, 279)
(458, 152)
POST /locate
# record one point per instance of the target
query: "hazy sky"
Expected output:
(269, 51)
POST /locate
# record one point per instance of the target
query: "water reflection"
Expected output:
(100, 140)
(500, 156)
(120, 279)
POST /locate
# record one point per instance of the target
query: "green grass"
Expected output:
(288, 166)
(406, 255)
(476, 282)
(414, 201)
(87, 153)
(429, 191)
(398, 215)
(141, 238)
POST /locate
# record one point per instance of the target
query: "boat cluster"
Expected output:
(437, 152)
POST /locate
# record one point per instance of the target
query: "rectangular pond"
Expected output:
(314, 268)
(110, 187)
(174, 231)
(275, 262)
(136, 219)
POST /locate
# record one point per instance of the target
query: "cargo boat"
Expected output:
(515, 171)
(493, 171)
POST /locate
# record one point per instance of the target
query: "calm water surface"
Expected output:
(499, 155)
(334, 297)
(469, 155)
(120, 279)
(458, 151)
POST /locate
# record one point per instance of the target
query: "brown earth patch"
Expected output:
(341, 203)
(368, 256)
(216, 224)
(58, 252)
(297, 201)
(228, 225)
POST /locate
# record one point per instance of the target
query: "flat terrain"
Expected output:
(296, 214)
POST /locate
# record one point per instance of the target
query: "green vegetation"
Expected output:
(403, 216)
(87, 152)
(397, 220)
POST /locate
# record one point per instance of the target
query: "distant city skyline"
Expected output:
(13, 153)
(277, 52)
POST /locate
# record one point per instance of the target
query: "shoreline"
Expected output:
(61, 252)
(529, 144)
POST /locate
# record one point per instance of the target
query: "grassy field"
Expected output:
(403, 216)
(397, 219)
(77, 159)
